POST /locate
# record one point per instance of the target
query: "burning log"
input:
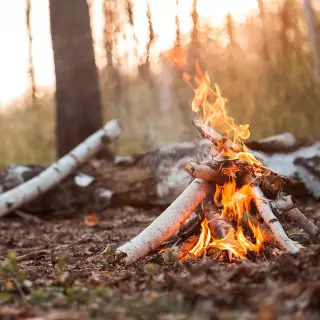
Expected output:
(287, 207)
(189, 226)
(180, 251)
(203, 171)
(58, 171)
(213, 136)
(167, 223)
(219, 226)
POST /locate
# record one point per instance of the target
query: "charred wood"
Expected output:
(181, 250)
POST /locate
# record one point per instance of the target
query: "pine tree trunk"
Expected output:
(78, 106)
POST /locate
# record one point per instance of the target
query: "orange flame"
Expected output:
(236, 205)
(210, 107)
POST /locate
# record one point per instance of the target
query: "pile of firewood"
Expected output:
(180, 223)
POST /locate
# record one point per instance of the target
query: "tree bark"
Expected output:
(78, 106)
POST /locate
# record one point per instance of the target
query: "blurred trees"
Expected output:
(262, 16)
(313, 38)
(78, 108)
(30, 53)
(265, 66)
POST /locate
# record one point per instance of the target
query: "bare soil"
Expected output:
(70, 280)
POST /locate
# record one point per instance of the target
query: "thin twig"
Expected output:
(32, 255)
(28, 217)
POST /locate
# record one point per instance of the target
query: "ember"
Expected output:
(228, 193)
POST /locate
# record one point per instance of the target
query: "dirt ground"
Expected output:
(70, 280)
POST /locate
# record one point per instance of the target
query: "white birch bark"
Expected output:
(167, 223)
(287, 207)
(265, 211)
(202, 171)
(284, 203)
(58, 171)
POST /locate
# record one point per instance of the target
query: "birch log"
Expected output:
(203, 171)
(265, 211)
(58, 171)
(167, 223)
(213, 136)
(287, 207)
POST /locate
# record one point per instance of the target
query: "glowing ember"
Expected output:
(210, 107)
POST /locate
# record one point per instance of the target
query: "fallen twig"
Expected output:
(28, 217)
(32, 255)
(42, 250)
(58, 171)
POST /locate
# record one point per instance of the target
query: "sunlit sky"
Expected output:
(14, 42)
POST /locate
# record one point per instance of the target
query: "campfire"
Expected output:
(233, 207)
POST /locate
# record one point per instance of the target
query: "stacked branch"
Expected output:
(207, 176)
(167, 223)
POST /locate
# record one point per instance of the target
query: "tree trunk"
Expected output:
(265, 51)
(78, 106)
(32, 81)
(193, 55)
(314, 45)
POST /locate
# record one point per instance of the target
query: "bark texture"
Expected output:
(167, 223)
(77, 85)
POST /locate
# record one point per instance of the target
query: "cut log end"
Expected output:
(203, 171)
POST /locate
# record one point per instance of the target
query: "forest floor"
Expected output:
(70, 280)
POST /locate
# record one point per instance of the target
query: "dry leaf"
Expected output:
(91, 220)
(9, 285)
